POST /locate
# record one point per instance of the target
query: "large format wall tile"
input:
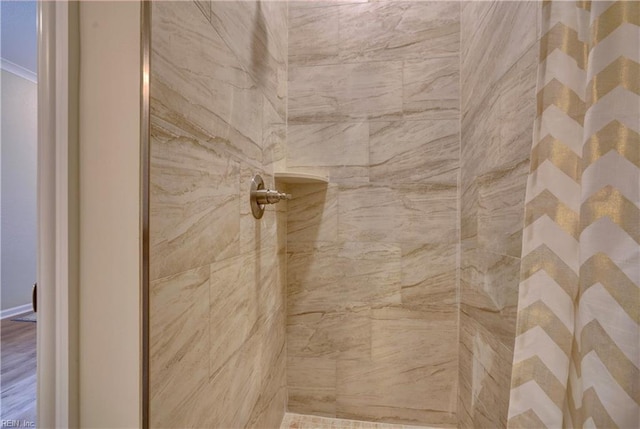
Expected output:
(414, 151)
(218, 326)
(412, 364)
(429, 277)
(398, 30)
(274, 138)
(485, 370)
(179, 320)
(344, 334)
(312, 213)
(373, 102)
(194, 202)
(328, 144)
(312, 385)
(192, 60)
(357, 31)
(314, 35)
(431, 88)
(334, 277)
(487, 54)
(342, 92)
(256, 32)
(498, 75)
(398, 214)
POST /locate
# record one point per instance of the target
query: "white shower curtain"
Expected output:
(577, 349)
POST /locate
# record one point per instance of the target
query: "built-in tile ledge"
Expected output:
(297, 178)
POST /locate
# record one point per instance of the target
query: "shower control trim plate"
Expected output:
(259, 196)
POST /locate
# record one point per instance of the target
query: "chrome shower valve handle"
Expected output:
(259, 196)
(267, 196)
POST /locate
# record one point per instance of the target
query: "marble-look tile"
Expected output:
(190, 59)
(411, 376)
(301, 421)
(518, 102)
(345, 334)
(489, 290)
(480, 135)
(205, 7)
(431, 88)
(325, 277)
(429, 277)
(274, 139)
(398, 214)
(235, 389)
(312, 213)
(314, 36)
(311, 382)
(501, 196)
(503, 124)
(179, 360)
(318, 402)
(311, 372)
(328, 144)
(256, 32)
(485, 376)
(194, 202)
(270, 406)
(398, 30)
(502, 35)
(468, 206)
(233, 309)
(414, 151)
(348, 175)
(334, 93)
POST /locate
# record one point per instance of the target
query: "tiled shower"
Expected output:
(386, 295)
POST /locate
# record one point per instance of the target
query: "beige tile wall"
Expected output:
(373, 101)
(218, 101)
(498, 79)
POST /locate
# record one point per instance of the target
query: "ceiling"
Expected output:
(18, 29)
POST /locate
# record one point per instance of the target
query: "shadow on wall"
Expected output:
(259, 46)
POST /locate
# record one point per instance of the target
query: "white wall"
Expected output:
(18, 195)
(109, 215)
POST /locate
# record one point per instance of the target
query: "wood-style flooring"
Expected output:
(18, 371)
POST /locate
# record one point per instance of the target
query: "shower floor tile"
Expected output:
(301, 421)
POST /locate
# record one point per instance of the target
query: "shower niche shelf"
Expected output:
(300, 178)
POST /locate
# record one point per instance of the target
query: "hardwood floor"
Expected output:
(18, 371)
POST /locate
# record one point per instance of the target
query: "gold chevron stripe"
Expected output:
(601, 269)
(593, 408)
(614, 136)
(584, 4)
(619, 13)
(534, 369)
(539, 315)
(609, 202)
(560, 155)
(622, 72)
(624, 372)
(543, 258)
(563, 97)
(548, 204)
(590, 399)
(527, 420)
(566, 40)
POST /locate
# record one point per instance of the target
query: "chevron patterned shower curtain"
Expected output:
(577, 350)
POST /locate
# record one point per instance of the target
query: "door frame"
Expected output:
(58, 223)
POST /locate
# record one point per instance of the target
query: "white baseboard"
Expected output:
(10, 312)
